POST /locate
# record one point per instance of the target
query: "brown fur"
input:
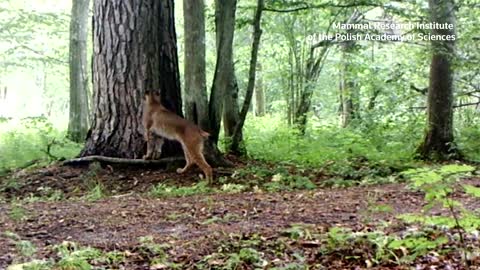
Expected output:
(159, 121)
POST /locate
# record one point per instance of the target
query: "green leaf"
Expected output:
(456, 169)
(472, 190)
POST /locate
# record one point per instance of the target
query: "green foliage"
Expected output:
(417, 245)
(468, 137)
(381, 248)
(155, 253)
(10, 183)
(238, 253)
(233, 188)
(91, 179)
(48, 195)
(472, 190)
(18, 212)
(248, 256)
(290, 182)
(37, 265)
(26, 248)
(113, 258)
(269, 138)
(96, 193)
(32, 139)
(163, 190)
(298, 231)
(73, 256)
(439, 185)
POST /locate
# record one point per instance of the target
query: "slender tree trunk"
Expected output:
(347, 86)
(231, 112)
(78, 120)
(222, 80)
(196, 101)
(134, 50)
(439, 142)
(349, 95)
(259, 93)
(257, 33)
(290, 94)
(314, 66)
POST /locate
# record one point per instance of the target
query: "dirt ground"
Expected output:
(192, 226)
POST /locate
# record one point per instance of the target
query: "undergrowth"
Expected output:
(32, 141)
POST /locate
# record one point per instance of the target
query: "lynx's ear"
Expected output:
(152, 96)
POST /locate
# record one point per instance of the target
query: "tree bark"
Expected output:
(134, 50)
(196, 101)
(314, 66)
(439, 141)
(225, 24)
(348, 91)
(231, 112)
(78, 117)
(259, 93)
(349, 95)
(197, 107)
(257, 33)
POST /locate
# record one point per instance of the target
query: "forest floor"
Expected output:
(244, 230)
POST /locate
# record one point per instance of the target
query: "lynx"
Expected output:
(159, 121)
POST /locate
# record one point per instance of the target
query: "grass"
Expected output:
(371, 152)
(32, 139)
(269, 138)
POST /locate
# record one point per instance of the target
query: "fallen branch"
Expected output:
(114, 160)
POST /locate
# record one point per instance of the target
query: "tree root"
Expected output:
(114, 160)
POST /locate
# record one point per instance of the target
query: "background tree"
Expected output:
(349, 93)
(78, 122)
(223, 79)
(439, 141)
(257, 33)
(259, 93)
(134, 50)
(196, 101)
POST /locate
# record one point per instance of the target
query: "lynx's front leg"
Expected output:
(157, 144)
(150, 146)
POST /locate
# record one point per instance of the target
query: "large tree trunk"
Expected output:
(439, 143)
(134, 50)
(196, 101)
(222, 80)
(78, 121)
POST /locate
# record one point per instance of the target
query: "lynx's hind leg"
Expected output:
(199, 159)
(188, 160)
